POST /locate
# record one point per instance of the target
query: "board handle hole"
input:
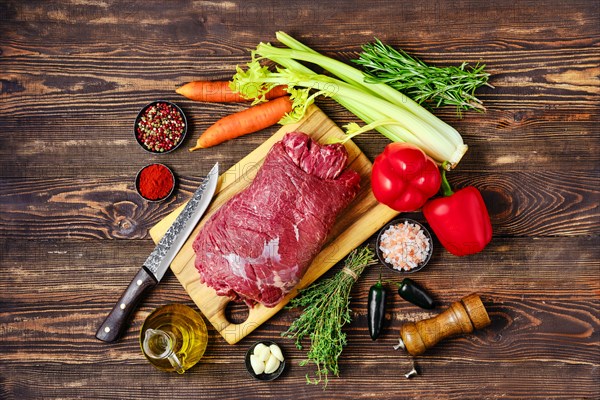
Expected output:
(236, 313)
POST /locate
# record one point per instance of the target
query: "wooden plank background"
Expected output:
(73, 232)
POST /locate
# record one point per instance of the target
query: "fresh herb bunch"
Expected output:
(425, 84)
(327, 311)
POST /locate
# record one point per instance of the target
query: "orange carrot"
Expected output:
(241, 123)
(220, 92)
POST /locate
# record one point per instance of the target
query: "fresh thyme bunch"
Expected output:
(327, 311)
(434, 86)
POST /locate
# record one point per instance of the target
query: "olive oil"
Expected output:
(173, 338)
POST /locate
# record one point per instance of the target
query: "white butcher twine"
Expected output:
(351, 273)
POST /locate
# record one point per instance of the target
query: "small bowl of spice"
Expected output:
(160, 127)
(404, 245)
(155, 182)
(265, 361)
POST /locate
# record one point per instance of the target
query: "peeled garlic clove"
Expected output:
(271, 365)
(276, 351)
(257, 366)
(259, 348)
(263, 354)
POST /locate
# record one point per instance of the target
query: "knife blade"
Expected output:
(157, 263)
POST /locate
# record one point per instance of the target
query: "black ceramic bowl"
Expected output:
(264, 377)
(171, 106)
(398, 222)
(137, 183)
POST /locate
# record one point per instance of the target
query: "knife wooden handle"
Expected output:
(114, 324)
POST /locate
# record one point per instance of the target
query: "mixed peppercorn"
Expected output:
(160, 127)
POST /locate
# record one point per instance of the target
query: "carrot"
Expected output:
(241, 123)
(220, 92)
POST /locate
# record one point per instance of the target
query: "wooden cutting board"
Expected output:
(356, 224)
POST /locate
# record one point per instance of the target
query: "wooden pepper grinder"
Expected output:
(461, 317)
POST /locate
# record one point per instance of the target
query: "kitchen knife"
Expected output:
(158, 261)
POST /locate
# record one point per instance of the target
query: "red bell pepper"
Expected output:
(460, 220)
(404, 177)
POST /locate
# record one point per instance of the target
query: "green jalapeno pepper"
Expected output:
(376, 309)
(410, 291)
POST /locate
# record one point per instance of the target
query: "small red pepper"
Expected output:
(404, 177)
(460, 219)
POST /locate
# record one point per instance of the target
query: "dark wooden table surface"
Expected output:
(73, 232)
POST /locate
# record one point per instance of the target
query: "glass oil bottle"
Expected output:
(173, 338)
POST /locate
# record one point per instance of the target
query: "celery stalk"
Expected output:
(379, 106)
(421, 134)
(354, 76)
(365, 113)
(430, 140)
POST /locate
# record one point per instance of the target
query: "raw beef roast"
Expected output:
(258, 245)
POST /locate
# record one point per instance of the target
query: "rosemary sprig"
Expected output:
(425, 84)
(327, 311)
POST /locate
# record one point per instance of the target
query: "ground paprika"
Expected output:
(155, 182)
